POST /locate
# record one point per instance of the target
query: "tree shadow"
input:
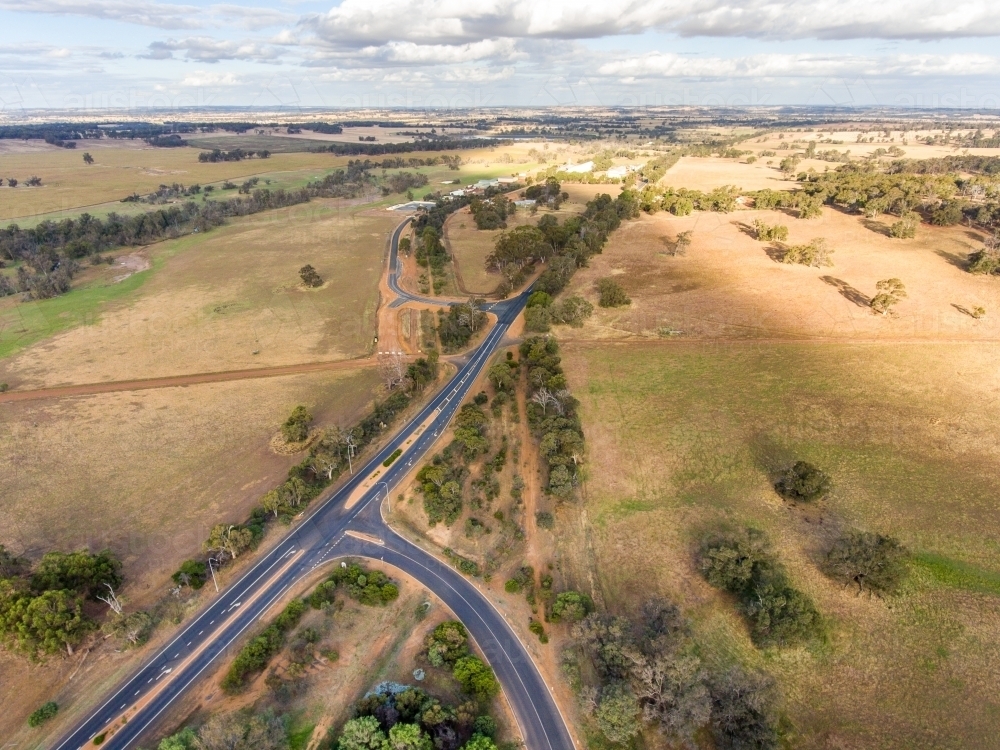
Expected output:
(847, 291)
(964, 311)
(776, 252)
(875, 226)
(960, 262)
(747, 229)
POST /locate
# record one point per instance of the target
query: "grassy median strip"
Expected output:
(395, 454)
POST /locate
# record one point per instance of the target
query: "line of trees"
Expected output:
(236, 154)
(333, 452)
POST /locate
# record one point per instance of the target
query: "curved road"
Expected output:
(322, 536)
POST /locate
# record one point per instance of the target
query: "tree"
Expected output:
(672, 691)
(815, 253)
(571, 311)
(480, 741)
(611, 293)
(769, 233)
(229, 540)
(476, 678)
(392, 369)
(12, 182)
(683, 242)
(571, 606)
(743, 711)
(867, 559)
(85, 573)
(500, 375)
(192, 573)
(34, 181)
(48, 623)
(730, 561)
(906, 227)
(516, 248)
(296, 427)
(409, 737)
(447, 643)
(243, 731)
(87, 158)
(890, 292)
(617, 714)
(186, 739)
(310, 277)
(803, 482)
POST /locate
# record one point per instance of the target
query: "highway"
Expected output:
(324, 535)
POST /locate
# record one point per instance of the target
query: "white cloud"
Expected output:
(669, 65)
(377, 22)
(207, 49)
(442, 54)
(141, 12)
(254, 17)
(206, 78)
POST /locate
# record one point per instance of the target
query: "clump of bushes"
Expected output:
(743, 564)
(310, 277)
(42, 714)
(769, 232)
(803, 482)
(296, 427)
(867, 559)
(815, 253)
(571, 606)
(611, 293)
(370, 587)
(254, 657)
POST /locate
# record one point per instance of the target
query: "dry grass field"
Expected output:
(228, 299)
(147, 474)
(683, 437)
(729, 366)
(122, 168)
(728, 286)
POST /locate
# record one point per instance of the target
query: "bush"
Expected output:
(447, 643)
(476, 678)
(310, 277)
(571, 606)
(611, 293)
(769, 232)
(867, 559)
(393, 456)
(743, 564)
(370, 587)
(803, 482)
(743, 711)
(193, 573)
(545, 520)
(296, 427)
(41, 715)
(815, 254)
(254, 657)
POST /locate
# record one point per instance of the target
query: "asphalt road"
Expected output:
(319, 539)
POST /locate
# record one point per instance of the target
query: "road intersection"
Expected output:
(346, 523)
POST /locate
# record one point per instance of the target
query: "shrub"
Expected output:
(743, 711)
(815, 254)
(611, 293)
(743, 564)
(393, 456)
(310, 277)
(803, 482)
(447, 643)
(42, 714)
(571, 606)
(476, 678)
(192, 573)
(296, 427)
(867, 559)
(545, 520)
(769, 232)
(254, 657)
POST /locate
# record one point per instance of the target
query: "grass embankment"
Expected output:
(684, 438)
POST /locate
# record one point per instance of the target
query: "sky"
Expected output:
(135, 54)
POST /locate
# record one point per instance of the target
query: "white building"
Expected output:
(587, 166)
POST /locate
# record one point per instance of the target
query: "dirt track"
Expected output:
(175, 381)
